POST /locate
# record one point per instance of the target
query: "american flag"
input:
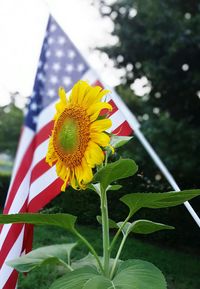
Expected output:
(34, 183)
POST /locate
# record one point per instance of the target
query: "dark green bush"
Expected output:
(4, 184)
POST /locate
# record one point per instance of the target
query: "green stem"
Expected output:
(92, 250)
(66, 265)
(118, 232)
(105, 231)
(118, 255)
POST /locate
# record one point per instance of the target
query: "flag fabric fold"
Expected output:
(34, 183)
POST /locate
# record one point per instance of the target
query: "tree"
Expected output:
(161, 40)
(11, 118)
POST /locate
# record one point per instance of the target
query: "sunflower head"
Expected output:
(78, 137)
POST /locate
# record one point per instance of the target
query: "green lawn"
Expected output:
(180, 269)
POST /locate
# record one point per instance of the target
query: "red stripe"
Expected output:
(44, 133)
(124, 129)
(40, 168)
(10, 240)
(40, 137)
(28, 238)
(45, 196)
(12, 280)
(105, 111)
(97, 82)
(11, 237)
(20, 175)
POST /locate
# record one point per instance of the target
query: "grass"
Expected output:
(180, 269)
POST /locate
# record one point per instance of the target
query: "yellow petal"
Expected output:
(92, 95)
(51, 155)
(100, 125)
(86, 172)
(62, 94)
(94, 154)
(66, 180)
(101, 139)
(61, 105)
(78, 174)
(96, 108)
(103, 93)
(79, 92)
(73, 179)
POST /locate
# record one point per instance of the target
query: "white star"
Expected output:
(56, 66)
(80, 67)
(33, 94)
(69, 68)
(59, 53)
(35, 118)
(41, 92)
(53, 28)
(40, 64)
(61, 40)
(48, 53)
(51, 93)
(40, 76)
(53, 79)
(67, 80)
(50, 40)
(46, 66)
(71, 54)
(33, 106)
(25, 111)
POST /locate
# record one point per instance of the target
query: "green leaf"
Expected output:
(120, 169)
(112, 224)
(114, 187)
(119, 141)
(65, 221)
(55, 254)
(137, 201)
(90, 261)
(75, 279)
(143, 227)
(99, 282)
(138, 274)
(131, 274)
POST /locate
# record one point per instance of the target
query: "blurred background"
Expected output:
(150, 51)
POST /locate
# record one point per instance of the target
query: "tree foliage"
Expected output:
(11, 118)
(161, 40)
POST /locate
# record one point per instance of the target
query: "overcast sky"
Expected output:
(22, 28)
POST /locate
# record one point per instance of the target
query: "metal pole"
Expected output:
(165, 172)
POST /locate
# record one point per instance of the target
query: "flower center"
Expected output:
(71, 135)
(68, 135)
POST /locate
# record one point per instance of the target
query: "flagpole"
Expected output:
(134, 124)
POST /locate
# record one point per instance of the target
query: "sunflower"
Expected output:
(78, 137)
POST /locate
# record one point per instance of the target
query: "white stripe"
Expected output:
(42, 183)
(14, 252)
(17, 204)
(117, 119)
(21, 195)
(25, 140)
(46, 115)
(4, 232)
(40, 152)
(90, 76)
